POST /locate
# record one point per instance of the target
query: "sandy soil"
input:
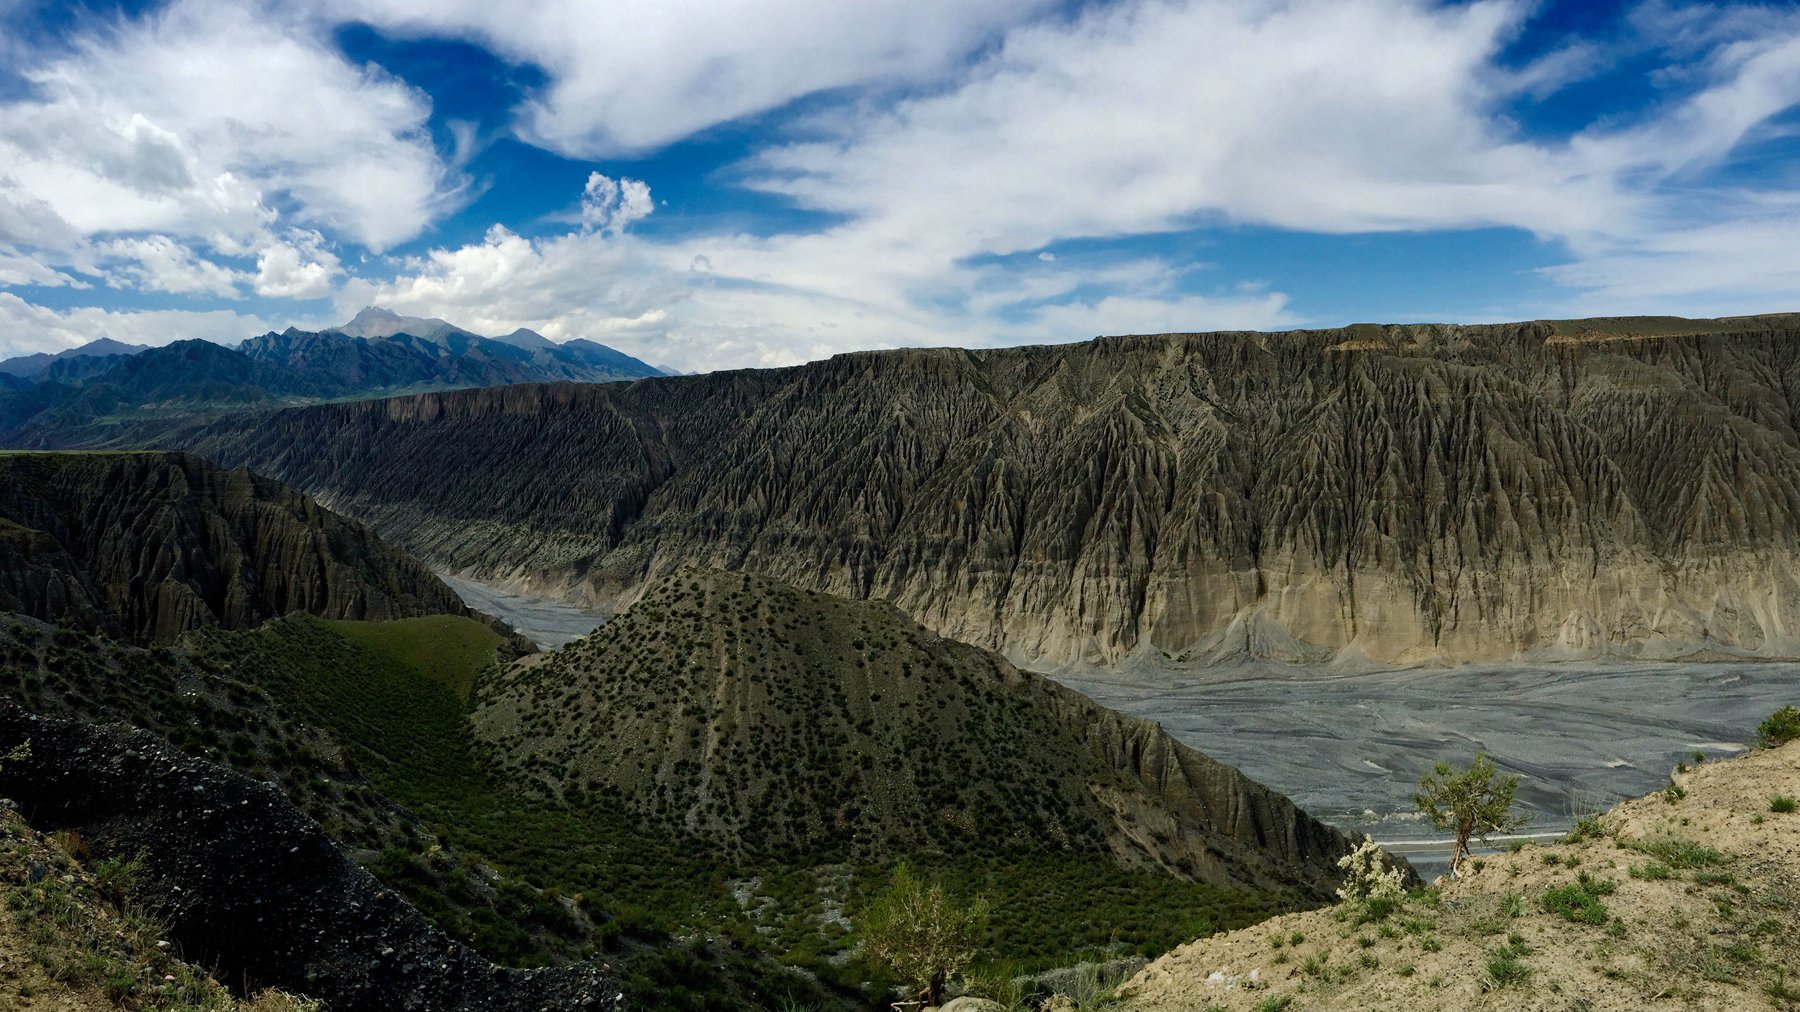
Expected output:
(1699, 899)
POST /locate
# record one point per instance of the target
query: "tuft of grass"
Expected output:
(1505, 969)
(1586, 828)
(1782, 804)
(1679, 853)
(1575, 902)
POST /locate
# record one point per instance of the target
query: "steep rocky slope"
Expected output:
(1684, 899)
(1393, 492)
(145, 546)
(246, 883)
(775, 722)
(69, 942)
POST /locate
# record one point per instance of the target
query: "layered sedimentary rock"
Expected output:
(1395, 493)
(772, 722)
(145, 546)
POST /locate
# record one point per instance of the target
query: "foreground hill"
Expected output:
(244, 881)
(1683, 899)
(70, 942)
(769, 721)
(1553, 489)
(145, 546)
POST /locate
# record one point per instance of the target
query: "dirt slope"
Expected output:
(1685, 899)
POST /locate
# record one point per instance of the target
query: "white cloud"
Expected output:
(31, 328)
(611, 205)
(300, 268)
(17, 268)
(157, 263)
(634, 76)
(1318, 115)
(1118, 120)
(202, 118)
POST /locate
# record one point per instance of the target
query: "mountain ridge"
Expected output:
(1395, 494)
(146, 546)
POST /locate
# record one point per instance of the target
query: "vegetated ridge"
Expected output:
(145, 546)
(1686, 898)
(1396, 493)
(775, 722)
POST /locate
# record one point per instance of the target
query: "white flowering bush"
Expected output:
(1370, 879)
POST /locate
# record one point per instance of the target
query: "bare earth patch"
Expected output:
(1687, 898)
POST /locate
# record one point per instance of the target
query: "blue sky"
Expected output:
(720, 183)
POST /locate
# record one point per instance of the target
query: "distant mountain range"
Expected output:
(75, 395)
(28, 366)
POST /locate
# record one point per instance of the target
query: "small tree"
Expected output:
(18, 754)
(918, 930)
(1469, 803)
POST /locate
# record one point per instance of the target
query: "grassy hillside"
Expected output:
(772, 722)
(776, 724)
(365, 724)
(1685, 899)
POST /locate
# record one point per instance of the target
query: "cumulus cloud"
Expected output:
(1320, 115)
(611, 205)
(950, 145)
(157, 263)
(18, 268)
(299, 268)
(199, 119)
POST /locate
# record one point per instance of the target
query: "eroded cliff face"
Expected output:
(1394, 493)
(145, 546)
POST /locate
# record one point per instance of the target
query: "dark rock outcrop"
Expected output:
(1556, 489)
(247, 884)
(145, 546)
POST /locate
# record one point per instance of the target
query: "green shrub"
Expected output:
(1781, 804)
(1781, 727)
(1575, 903)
